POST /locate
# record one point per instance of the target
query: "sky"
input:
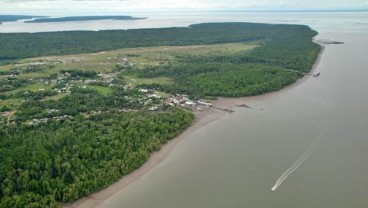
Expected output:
(125, 6)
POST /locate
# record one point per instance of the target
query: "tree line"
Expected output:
(25, 45)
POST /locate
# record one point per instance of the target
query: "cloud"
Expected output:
(18, 1)
(57, 0)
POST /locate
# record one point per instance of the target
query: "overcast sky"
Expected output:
(122, 6)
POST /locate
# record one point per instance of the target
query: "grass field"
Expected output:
(31, 88)
(100, 89)
(55, 97)
(138, 57)
(133, 81)
(11, 102)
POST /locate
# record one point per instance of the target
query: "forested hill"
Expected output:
(25, 45)
(12, 18)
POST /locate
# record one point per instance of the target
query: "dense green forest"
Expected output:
(25, 45)
(72, 125)
(65, 160)
(217, 79)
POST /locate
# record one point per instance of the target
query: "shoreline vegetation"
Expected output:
(98, 105)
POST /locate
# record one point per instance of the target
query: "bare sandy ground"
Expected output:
(202, 118)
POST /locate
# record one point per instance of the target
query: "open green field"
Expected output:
(30, 88)
(102, 90)
(55, 97)
(133, 80)
(11, 102)
(139, 58)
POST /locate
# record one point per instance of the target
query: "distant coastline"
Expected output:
(13, 18)
(81, 18)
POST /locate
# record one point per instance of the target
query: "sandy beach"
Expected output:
(202, 118)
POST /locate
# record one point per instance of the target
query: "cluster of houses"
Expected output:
(35, 121)
(125, 110)
(5, 114)
(117, 61)
(184, 101)
(151, 100)
(103, 78)
(177, 100)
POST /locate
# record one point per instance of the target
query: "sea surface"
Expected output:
(305, 146)
(322, 21)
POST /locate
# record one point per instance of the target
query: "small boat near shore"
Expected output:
(243, 106)
(329, 42)
(317, 74)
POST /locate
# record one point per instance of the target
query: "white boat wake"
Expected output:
(295, 166)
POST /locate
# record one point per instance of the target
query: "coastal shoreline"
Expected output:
(202, 119)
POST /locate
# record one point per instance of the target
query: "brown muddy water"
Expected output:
(308, 143)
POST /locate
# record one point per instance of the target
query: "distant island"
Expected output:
(13, 18)
(81, 18)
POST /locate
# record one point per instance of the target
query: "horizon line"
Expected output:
(208, 11)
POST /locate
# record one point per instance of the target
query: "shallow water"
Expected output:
(235, 161)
